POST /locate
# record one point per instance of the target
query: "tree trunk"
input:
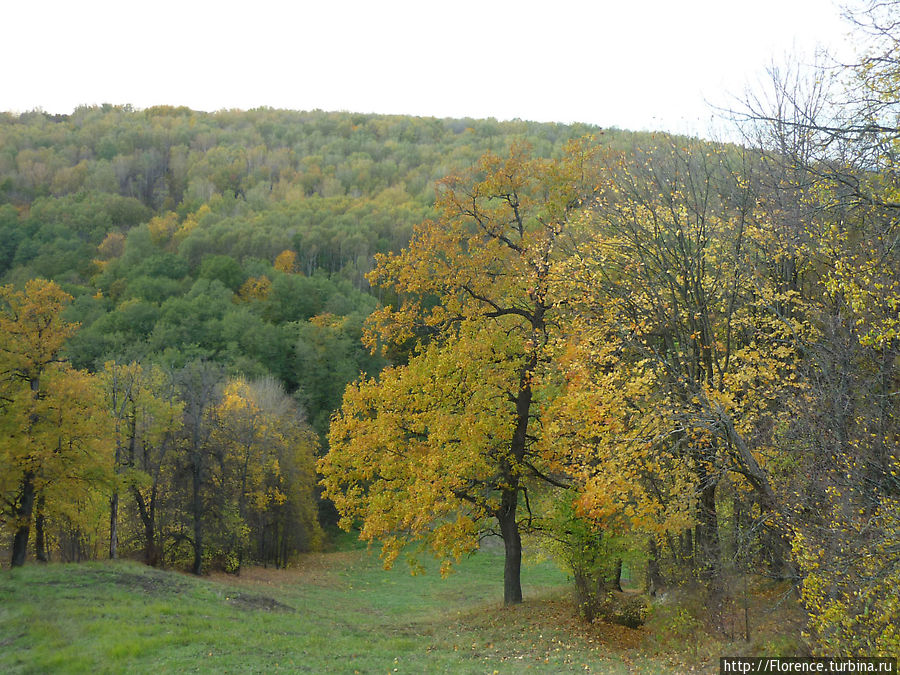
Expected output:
(512, 542)
(242, 511)
(24, 511)
(706, 537)
(147, 513)
(654, 577)
(617, 576)
(114, 526)
(151, 553)
(40, 541)
(197, 508)
(509, 525)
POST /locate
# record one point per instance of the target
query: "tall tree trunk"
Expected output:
(706, 537)
(509, 501)
(152, 552)
(512, 542)
(114, 500)
(147, 513)
(24, 512)
(242, 511)
(197, 507)
(114, 526)
(654, 577)
(40, 541)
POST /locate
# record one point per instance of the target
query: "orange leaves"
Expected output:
(607, 428)
(489, 253)
(429, 451)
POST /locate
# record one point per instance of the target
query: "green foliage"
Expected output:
(595, 559)
(222, 268)
(328, 355)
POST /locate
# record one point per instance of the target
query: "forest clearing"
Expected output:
(339, 612)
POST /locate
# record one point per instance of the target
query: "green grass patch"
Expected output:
(336, 612)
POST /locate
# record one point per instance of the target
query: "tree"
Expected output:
(55, 431)
(258, 429)
(681, 352)
(610, 427)
(286, 262)
(441, 450)
(146, 417)
(837, 151)
(199, 383)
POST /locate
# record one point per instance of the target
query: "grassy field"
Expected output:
(333, 613)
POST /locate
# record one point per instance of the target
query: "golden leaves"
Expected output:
(415, 454)
(53, 423)
(286, 262)
(255, 289)
(32, 331)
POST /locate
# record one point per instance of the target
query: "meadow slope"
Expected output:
(333, 612)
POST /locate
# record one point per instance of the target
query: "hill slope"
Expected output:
(335, 613)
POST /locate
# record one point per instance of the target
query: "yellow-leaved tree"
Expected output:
(442, 450)
(55, 445)
(834, 160)
(680, 349)
(147, 416)
(266, 473)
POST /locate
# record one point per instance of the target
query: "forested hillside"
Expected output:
(166, 225)
(203, 268)
(658, 358)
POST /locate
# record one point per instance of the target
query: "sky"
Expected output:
(632, 64)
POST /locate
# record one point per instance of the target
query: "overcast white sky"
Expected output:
(637, 64)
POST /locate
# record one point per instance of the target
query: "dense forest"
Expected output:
(224, 332)
(190, 270)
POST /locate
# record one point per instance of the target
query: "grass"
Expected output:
(335, 612)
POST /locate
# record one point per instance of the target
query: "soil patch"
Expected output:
(249, 602)
(154, 584)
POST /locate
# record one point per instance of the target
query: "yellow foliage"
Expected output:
(162, 228)
(414, 455)
(255, 289)
(267, 455)
(286, 262)
(55, 434)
